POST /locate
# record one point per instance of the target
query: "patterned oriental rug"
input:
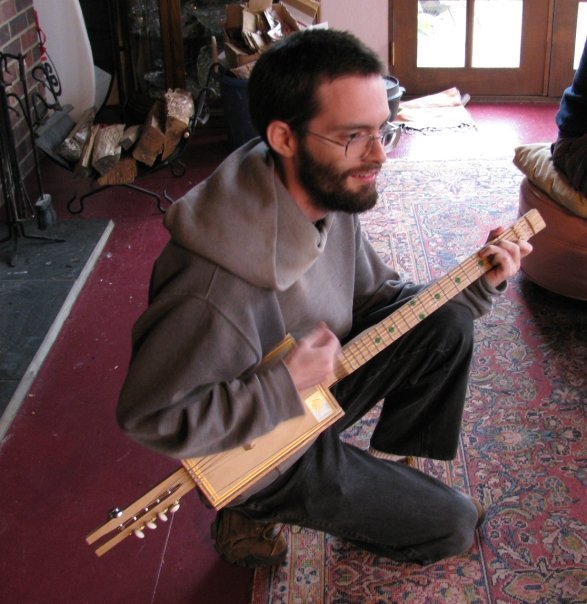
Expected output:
(522, 450)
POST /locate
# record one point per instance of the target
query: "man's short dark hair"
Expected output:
(284, 80)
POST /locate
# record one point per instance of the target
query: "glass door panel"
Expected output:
(581, 33)
(442, 33)
(497, 33)
(483, 47)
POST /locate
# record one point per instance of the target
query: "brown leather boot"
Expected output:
(245, 542)
(481, 513)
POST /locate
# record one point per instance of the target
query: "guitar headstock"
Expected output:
(144, 513)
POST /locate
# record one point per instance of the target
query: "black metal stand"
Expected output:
(80, 209)
(177, 168)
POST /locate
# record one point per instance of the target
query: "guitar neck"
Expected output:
(373, 340)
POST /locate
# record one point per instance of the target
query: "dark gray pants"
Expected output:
(385, 507)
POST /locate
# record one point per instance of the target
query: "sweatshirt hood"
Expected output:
(232, 219)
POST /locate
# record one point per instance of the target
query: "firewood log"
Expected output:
(71, 146)
(83, 168)
(150, 143)
(179, 109)
(123, 173)
(107, 150)
(130, 137)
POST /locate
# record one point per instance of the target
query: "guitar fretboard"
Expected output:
(365, 346)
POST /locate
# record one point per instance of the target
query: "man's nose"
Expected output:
(377, 152)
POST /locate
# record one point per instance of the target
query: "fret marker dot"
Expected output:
(437, 296)
(377, 340)
(457, 280)
(391, 329)
(422, 316)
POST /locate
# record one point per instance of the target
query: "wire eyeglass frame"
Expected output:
(388, 136)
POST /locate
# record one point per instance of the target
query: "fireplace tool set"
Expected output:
(19, 208)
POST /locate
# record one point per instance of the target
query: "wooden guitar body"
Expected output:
(224, 476)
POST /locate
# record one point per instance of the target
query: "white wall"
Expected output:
(367, 19)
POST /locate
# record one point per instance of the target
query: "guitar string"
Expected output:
(406, 317)
(522, 230)
(161, 561)
(357, 351)
(216, 463)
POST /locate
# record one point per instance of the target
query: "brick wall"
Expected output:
(18, 35)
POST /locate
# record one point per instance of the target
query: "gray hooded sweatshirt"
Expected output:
(243, 268)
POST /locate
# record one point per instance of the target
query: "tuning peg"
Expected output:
(151, 524)
(115, 513)
(138, 533)
(174, 507)
(163, 516)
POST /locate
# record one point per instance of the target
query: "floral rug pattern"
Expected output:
(522, 448)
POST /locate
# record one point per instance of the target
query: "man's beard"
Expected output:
(327, 185)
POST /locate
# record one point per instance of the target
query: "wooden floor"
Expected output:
(64, 462)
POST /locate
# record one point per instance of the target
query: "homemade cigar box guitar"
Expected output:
(222, 477)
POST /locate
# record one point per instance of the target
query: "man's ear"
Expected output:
(282, 138)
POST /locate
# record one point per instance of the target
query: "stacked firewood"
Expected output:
(114, 152)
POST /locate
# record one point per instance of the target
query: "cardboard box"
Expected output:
(236, 56)
(304, 12)
(236, 52)
(248, 27)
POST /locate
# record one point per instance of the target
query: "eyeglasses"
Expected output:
(359, 146)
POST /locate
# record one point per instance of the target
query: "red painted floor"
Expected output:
(500, 128)
(64, 463)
